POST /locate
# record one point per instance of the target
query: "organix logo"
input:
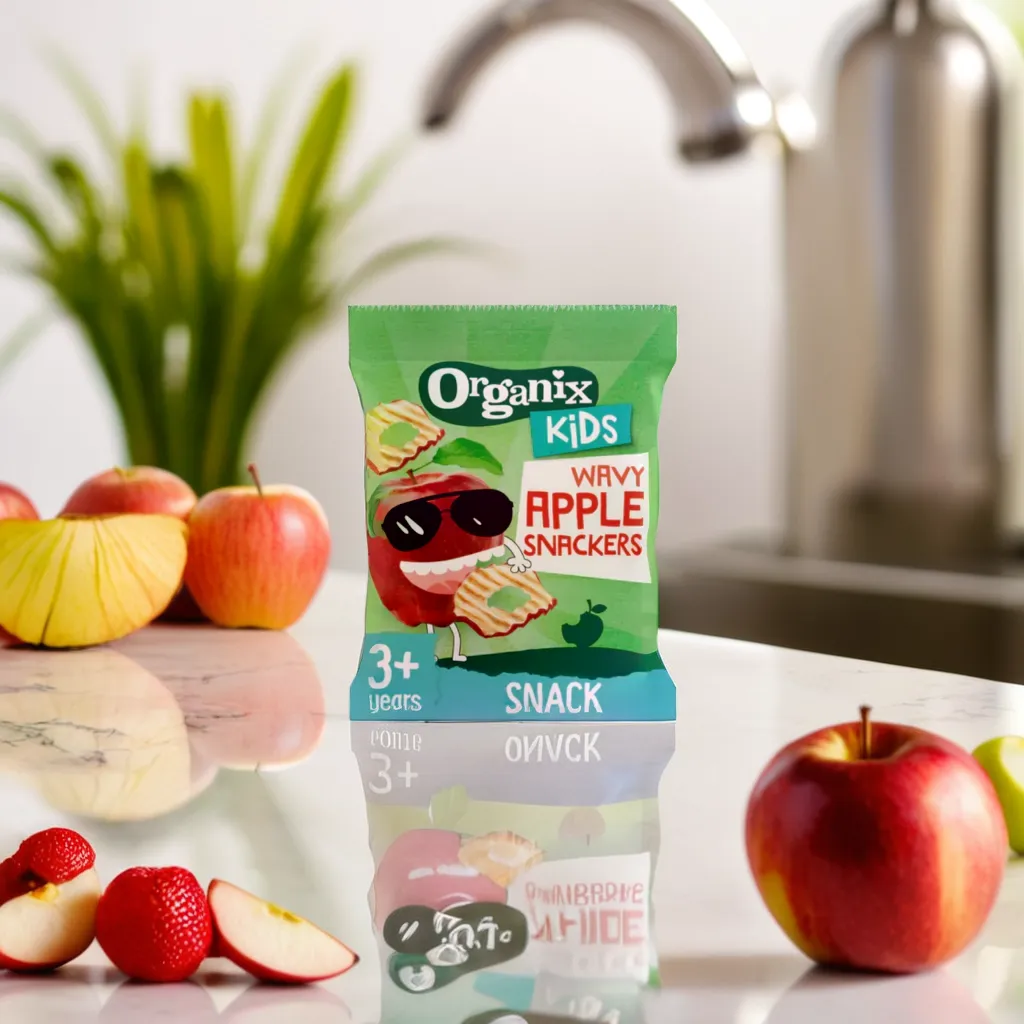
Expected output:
(474, 396)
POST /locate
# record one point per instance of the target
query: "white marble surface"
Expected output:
(230, 753)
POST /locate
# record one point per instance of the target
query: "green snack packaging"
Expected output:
(511, 512)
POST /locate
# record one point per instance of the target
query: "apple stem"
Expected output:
(255, 474)
(865, 732)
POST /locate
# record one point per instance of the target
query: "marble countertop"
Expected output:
(231, 753)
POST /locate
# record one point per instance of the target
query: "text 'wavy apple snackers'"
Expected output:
(512, 504)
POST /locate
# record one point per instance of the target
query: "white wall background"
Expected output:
(563, 158)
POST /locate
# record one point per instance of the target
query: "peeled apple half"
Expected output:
(79, 581)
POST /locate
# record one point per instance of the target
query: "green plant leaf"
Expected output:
(402, 252)
(315, 158)
(369, 182)
(186, 320)
(448, 807)
(17, 130)
(467, 454)
(77, 190)
(88, 101)
(273, 109)
(213, 172)
(30, 218)
(599, 608)
(21, 337)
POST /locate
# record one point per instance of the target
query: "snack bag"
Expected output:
(513, 869)
(511, 512)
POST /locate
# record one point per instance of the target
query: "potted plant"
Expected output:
(190, 304)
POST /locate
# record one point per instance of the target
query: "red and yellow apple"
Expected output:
(15, 505)
(418, 587)
(876, 846)
(49, 926)
(256, 555)
(270, 943)
(140, 489)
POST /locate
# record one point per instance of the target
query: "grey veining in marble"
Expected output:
(230, 753)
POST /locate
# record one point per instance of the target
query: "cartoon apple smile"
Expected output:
(426, 532)
(418, 585)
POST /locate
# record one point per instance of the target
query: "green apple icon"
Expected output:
(588, 630)
(1003, 761)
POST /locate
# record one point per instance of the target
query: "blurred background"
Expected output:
(563, 160)
(560, 169)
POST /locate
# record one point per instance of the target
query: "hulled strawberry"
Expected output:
(154, 923)
(51, 857)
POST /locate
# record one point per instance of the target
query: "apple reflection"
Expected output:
(849, 998)
(134, 1001)
(513, 868)
(134, 731)
(252, 699)
(269, 1004)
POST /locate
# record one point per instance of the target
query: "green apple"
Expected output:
(1003, 761)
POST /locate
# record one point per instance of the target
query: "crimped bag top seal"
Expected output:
(511, 511)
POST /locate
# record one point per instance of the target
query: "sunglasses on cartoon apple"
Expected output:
(413, 524)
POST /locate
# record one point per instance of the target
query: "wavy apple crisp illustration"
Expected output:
(495, 601)
(501, 856)
(396, 432)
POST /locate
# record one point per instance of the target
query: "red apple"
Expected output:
(50, 926)
(418, 587)
(256, 555)
(15, 505)
(422, 868)
(876, 846)
(270, 943)
(142, 489)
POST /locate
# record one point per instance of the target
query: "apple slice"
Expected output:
(79, 582)
(270, 943)
(49, 926)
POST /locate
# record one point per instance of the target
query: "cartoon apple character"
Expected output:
(426, 533)
(422, 868)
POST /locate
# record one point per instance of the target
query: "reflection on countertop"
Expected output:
(134, 732)
(513, 868)
(100, 995)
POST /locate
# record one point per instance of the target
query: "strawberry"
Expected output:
(53, 856)
(154, 923)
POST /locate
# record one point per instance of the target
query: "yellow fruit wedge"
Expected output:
(79, 581)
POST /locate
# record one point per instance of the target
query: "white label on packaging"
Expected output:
(590, 917)
(587, 517)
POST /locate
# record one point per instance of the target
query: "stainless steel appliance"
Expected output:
(903, 257)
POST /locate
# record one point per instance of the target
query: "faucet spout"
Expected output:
(720, 104)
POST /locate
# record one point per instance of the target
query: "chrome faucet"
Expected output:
(904, 258)
(720, 106)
